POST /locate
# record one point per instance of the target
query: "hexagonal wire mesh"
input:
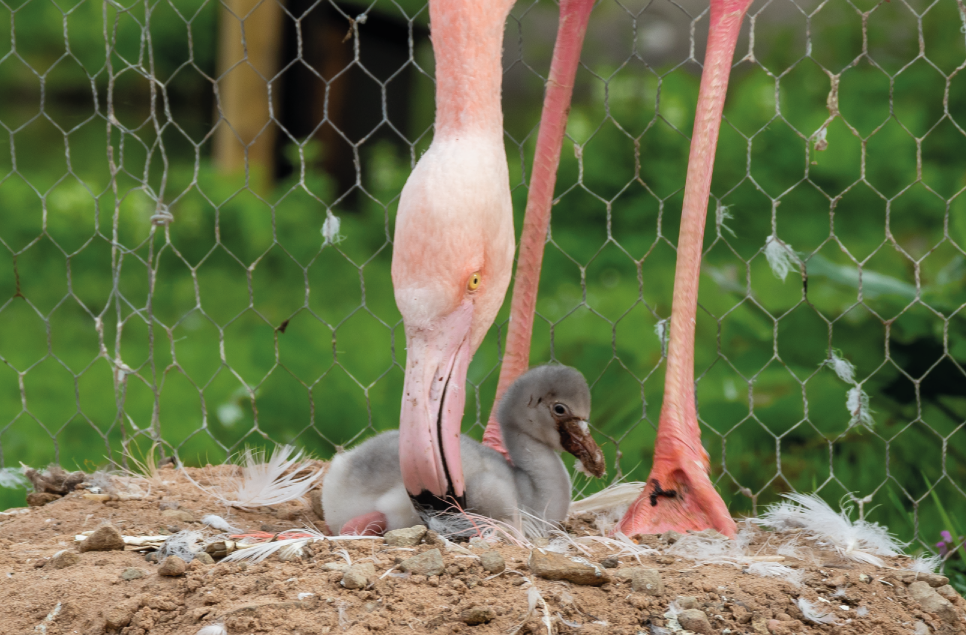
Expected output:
(165, 189)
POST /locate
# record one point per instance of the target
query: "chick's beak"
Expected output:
(576, 439)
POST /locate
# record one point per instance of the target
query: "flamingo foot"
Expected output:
(678, 497)
(371, 524)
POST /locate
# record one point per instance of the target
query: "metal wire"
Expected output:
(111, 165)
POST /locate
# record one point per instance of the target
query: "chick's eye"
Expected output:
(473, 282)
(559, 409)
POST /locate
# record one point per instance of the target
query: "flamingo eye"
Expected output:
(474, 282)
(559, 409)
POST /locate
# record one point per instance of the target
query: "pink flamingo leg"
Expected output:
(679, 494)
(371, 524)
(574, 15)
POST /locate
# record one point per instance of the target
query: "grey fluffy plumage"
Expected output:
(368, 477)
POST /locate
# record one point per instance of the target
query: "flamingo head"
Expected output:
(452, 260)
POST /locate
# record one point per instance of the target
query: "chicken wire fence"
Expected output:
(198, 200)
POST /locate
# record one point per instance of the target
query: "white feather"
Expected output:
(857, 403)
(842, 367)
(861, 541)
(612, 501)
(265, 483)
(13, 478)
(780, 257)
(219, 523)
(925, 564)
(213, 629)
(706, 549)
(814, 614)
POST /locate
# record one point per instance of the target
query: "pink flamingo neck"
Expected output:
(467, 40)
(679, 423)
(574, 15)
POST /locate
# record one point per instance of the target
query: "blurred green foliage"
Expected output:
(236, 323)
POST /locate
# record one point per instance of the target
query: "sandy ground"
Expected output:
(120, 591)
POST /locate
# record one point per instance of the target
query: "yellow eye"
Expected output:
(473, 282)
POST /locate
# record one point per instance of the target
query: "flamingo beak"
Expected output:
(576, 439)
(432, 409)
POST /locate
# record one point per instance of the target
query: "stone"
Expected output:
(947, 592)
(131, 574)
(932, 579)
(685, 602)
(315, 498)
(163, 505)
(121, 615)
(863, 577)
(671, 537)
(610, 562)
(173, 566)
(105, 538)
(180, 515)
(204, 558)
(492, 562)
(644, 580)
(554, 566)
(427, 563)
(409, 537)
(932, 602)
(695, 620)
(357, 576)
(479, 544)
(476, 615)
(340, 565)
(39, 499)
(64, 559)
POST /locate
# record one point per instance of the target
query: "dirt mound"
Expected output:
(50, 587)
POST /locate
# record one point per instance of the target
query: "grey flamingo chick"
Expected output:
(543, 413)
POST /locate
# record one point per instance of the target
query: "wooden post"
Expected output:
(248, 56)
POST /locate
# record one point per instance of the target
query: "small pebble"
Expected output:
(63, 559)
(428, 563)
(173, 566)
(492, 562)
(179, 515)
(409, 537)
(695, 620)
(105, 538)
(610, 562)
(476, 615)
(132, 574)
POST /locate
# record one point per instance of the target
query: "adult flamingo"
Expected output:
(678, 494)
(453, 248)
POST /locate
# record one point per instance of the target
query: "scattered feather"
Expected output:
(722, 213)
(925, 564)
(265, 483)
(660, 329)
(861, 611)
(184, 544)
(213, 629)
(705, 548)
(305, 596)
(861, 541)
(857, 403)
(615, 497)
(814, 614)
(776, 570)
(842, 367)
(330, 229)
(780, 257)
(219, 523)
(13, 478)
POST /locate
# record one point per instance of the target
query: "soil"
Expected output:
(304, 596)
